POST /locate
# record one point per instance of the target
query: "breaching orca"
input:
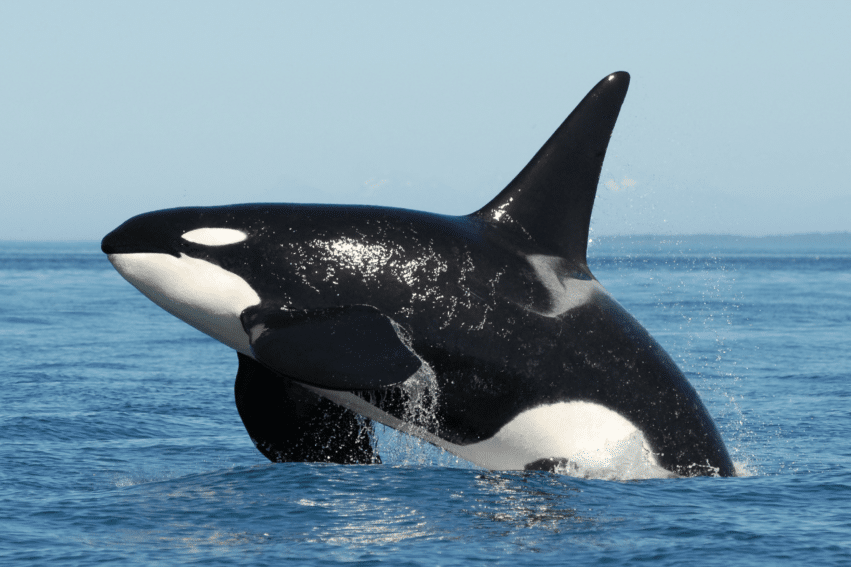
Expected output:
(485, 334)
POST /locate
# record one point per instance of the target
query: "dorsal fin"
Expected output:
(551, 198)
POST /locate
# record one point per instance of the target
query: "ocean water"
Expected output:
(120, 441)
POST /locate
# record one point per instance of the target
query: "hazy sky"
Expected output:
(737, 120)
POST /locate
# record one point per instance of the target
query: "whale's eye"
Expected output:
(215, 236)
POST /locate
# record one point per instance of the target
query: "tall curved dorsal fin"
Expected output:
(552, 197)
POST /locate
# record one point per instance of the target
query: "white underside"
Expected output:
(594, 440)
(204, 295)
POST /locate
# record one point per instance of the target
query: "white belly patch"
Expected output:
(587, 435)
(591, 440)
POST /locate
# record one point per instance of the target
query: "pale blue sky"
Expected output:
(737, 120)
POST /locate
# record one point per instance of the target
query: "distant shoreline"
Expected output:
(807, 237)
(813, 242)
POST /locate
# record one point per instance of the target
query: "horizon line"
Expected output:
(591, 239)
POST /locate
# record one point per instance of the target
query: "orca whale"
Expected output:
(486, 334)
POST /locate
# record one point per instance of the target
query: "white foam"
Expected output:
(202, 294)
(745, 468)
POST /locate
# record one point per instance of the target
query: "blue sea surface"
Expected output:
(121, 442)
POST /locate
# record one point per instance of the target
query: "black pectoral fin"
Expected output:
(286, 422)
(341, 348)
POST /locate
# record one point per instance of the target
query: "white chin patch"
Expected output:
(215, 236)
(202, 294)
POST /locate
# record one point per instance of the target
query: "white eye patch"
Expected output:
(215, 236)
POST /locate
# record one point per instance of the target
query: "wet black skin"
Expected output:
(471, 307)
(467, 299)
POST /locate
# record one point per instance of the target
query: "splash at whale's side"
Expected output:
(485, 334)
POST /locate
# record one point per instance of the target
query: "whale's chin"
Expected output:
(202, 294)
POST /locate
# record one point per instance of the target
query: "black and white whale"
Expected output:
(485, 334)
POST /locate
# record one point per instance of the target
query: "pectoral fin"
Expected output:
(287, 422)
(340, 348)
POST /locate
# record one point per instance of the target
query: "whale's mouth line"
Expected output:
(113, 244)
